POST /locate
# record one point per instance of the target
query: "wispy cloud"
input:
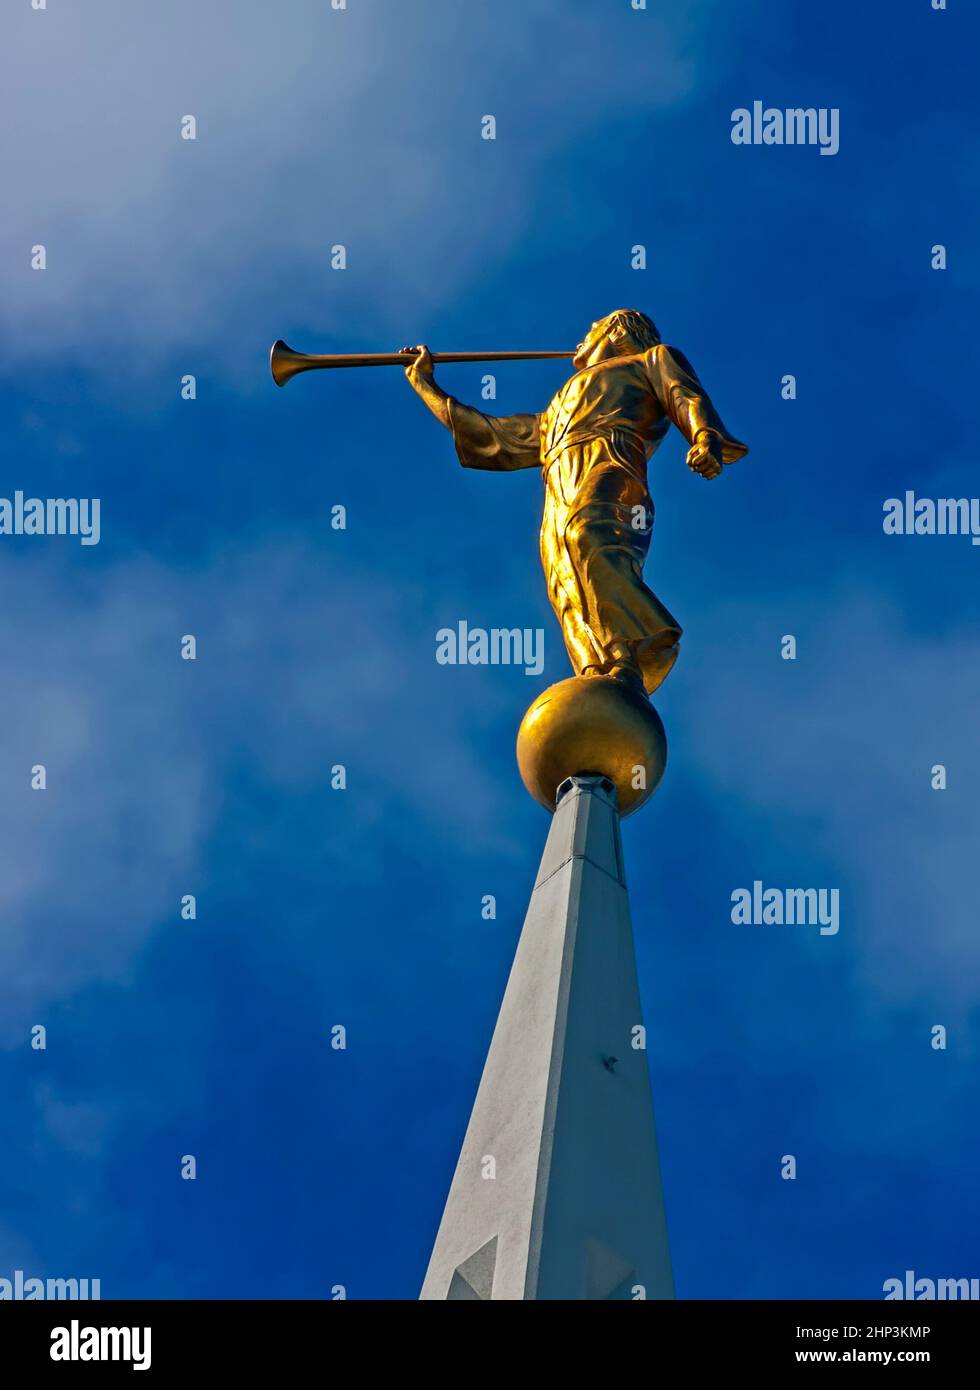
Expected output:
(139, 746)
(839, 747)
(315, 127)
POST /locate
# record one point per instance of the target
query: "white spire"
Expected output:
(557, 1192)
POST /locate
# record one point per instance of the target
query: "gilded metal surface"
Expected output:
(592, 444)
(596, 725)
(285, 362)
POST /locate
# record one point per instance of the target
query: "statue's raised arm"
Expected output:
(499, 443)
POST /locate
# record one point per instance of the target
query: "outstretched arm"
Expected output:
(688, 406)
(500, 443)
(421, 378)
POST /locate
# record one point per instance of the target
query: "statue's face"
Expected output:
(596, 345)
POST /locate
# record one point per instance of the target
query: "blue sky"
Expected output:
(362, 907)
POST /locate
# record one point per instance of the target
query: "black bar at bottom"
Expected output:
(68, 1338)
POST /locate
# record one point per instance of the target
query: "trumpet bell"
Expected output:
(285, 362)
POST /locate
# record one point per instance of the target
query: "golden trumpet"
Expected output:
(285, 362)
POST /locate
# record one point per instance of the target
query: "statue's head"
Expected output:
(619, 334)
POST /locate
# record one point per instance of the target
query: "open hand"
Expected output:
(704, 456)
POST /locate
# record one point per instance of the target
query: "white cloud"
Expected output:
(315, 126)
(300, 666)
(842, 743)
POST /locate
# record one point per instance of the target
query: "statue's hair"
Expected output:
(641, 330)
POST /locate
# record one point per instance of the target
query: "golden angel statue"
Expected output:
(592, 444)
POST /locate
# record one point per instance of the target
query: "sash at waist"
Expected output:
(624, 447)
(624, 442)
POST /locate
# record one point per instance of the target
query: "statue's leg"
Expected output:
(584, 651)
(636, 633)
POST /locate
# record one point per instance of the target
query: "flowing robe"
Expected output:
(592, 444)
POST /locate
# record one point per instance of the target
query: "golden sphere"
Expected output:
(597, 725)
